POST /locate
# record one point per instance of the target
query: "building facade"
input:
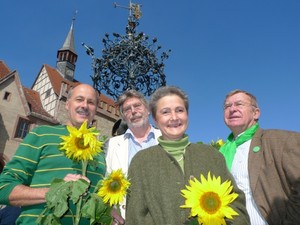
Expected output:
(22, 109)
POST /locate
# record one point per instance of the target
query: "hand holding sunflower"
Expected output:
(81, 145)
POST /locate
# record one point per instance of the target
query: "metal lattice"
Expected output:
(128, 61)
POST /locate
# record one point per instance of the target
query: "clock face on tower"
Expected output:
(60, 67)
(67, 69)
(69, 72)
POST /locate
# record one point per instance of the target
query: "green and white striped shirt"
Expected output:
(36, 163)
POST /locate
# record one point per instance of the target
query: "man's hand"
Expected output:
(118, 219)
(75, 177)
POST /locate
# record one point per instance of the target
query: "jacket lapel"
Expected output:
(124, 159)
(255, 155)
(121, 154)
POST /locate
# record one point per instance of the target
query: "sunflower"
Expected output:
(114, 188)
(217, 144)
(82, 143)
(209, 200)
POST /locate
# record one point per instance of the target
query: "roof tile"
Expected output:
(34, 101)
(4, 70)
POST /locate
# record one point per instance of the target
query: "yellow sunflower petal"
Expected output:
(209, 199)
(114, 188)
(81, 144)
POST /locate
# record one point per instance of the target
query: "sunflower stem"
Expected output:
(84, 167)
(78, 206)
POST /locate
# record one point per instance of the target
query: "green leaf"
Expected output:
(106, 218)
(57, 196)
(96, 210)
(103, 138)
(78, 188)
(49, 219)
(98, 186)
(192, 221)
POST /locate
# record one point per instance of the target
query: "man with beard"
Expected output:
(140, 134)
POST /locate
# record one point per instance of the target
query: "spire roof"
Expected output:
(69, 42)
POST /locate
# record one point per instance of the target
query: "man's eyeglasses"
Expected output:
(238, 104)
(128, 109)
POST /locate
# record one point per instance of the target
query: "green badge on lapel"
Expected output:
(256, 149)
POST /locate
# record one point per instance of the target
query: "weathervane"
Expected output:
(134, 9)
(129, 61)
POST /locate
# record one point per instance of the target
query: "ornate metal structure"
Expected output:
(128, 61)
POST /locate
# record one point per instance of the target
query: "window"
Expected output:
(22, 128)
(48, 92)
(7, 96)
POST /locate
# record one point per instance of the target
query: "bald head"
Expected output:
(81, 104)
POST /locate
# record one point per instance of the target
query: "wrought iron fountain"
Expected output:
(128, 61)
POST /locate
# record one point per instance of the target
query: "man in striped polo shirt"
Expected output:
(25, 179)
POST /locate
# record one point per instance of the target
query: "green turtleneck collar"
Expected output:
(175, 148)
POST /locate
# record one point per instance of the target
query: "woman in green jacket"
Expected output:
(160, 173)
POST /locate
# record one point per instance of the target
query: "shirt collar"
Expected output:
(128, 134)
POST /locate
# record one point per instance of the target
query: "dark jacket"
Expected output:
(157, 180)
(274, 173)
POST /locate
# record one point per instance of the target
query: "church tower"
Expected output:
(67, 57)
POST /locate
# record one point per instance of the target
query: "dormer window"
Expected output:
(7, 96)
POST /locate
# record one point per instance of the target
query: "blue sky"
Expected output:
(217, 46)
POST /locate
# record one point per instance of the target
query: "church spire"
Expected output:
(66, 56)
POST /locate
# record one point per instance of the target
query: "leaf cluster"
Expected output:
(192, 221)
(64, 194)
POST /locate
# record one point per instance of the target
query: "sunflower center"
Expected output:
(210, 202)
(80, 143)
(115, 186)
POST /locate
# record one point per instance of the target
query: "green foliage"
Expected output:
(62, 194)
(192, 221)
(103, 138)
(96, 210)
(216, 144)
